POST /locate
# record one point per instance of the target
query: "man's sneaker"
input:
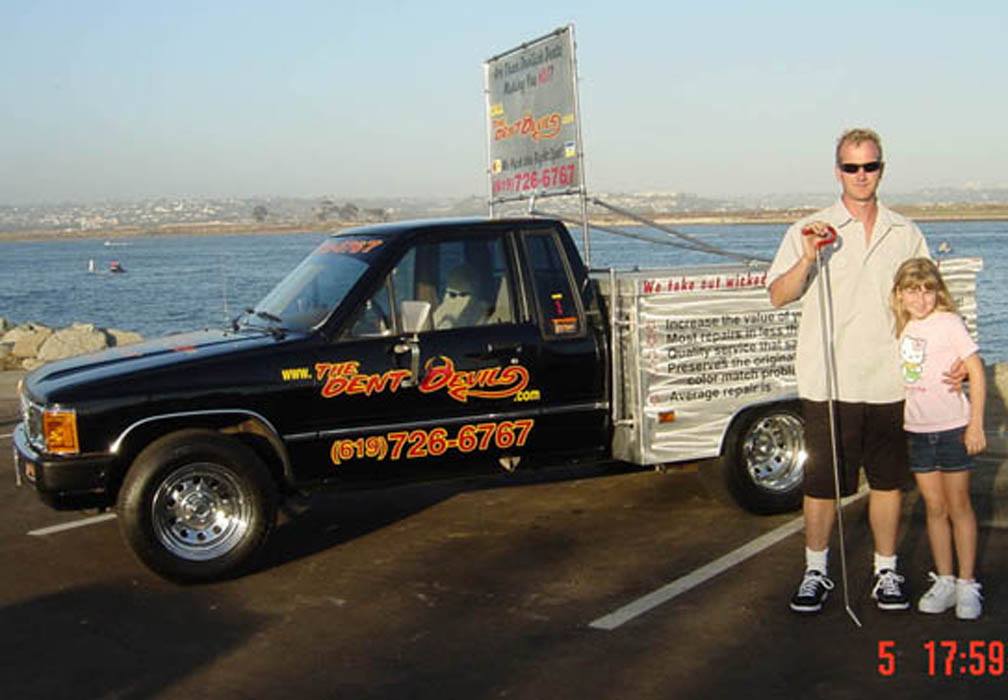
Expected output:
(887, 592)
(940, 597)
(812, 592)
(967, 603)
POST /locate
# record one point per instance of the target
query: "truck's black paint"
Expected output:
(234, 381)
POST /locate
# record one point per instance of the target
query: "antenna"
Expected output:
(224, 285)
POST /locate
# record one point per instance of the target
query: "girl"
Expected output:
(945, 428)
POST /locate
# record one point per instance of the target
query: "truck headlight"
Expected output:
(59, 431)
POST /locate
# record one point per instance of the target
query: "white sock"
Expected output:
(816, 561)
(882, 562)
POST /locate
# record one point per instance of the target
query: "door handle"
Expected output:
(499, 351)
(412, 347)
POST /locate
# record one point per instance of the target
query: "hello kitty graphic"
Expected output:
(912, 352)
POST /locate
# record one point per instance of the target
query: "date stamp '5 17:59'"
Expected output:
(950, 658)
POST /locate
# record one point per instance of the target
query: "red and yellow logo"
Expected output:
(350, 246)
(536, 128)
(345, 378)
(487, 383)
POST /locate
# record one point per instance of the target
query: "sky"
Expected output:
(124, 100)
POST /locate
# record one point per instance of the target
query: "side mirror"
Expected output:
(413, 315)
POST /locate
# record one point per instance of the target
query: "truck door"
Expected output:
(450, 396)
(571, 364)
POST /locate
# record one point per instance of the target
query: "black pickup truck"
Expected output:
(392, 352)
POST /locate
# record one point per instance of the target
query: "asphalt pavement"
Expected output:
(489, 588)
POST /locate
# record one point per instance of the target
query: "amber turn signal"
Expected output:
(59, 427)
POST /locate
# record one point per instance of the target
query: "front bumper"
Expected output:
(65, 483)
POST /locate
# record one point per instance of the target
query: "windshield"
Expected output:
(318, 284)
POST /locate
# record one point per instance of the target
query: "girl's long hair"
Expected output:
(918, 272)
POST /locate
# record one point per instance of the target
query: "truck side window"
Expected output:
(373, 318)
(553, 292)
(465, 279)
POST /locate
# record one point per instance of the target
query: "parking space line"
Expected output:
(708, 571)
(93, 520)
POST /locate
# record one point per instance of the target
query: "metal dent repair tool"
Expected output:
(827, 236)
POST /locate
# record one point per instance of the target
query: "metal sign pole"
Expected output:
(580, 146)
(489, 136)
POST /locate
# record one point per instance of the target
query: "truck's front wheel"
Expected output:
(763, 462)
(196, 506)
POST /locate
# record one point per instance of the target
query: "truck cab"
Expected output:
(455, 329)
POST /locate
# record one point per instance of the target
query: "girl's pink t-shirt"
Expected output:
(928, 348)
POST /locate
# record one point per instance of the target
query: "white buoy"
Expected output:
(90, 265)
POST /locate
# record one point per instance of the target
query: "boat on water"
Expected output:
(116, 266)
(944, 247)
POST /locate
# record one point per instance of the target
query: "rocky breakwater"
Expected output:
(30, 345)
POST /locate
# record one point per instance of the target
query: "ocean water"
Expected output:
(178, 283)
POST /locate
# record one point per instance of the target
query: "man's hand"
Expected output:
(791, 285)
(955, 376)
(815, 235)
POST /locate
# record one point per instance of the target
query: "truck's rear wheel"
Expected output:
(763, 462)
(196, 506)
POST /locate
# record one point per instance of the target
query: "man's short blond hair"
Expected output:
(856, 137)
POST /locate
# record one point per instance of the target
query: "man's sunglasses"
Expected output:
(851, 168)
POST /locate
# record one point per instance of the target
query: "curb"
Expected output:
(10, 409)
(10, 405)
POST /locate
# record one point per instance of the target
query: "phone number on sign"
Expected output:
(415, 444)
(555, 176)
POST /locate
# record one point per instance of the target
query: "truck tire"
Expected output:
(196, 506)
(764, 456)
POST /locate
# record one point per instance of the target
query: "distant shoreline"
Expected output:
(991, 212)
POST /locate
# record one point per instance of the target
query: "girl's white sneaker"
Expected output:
(968, 599)
(941, 596)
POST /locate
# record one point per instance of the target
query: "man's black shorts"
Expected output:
(869, 435)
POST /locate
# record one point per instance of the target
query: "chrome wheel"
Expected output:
(201, 511)
(773, 451)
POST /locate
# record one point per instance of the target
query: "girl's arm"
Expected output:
(974, 438)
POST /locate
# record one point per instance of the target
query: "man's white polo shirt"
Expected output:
(860, 277)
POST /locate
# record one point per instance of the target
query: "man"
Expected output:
(872, 242)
